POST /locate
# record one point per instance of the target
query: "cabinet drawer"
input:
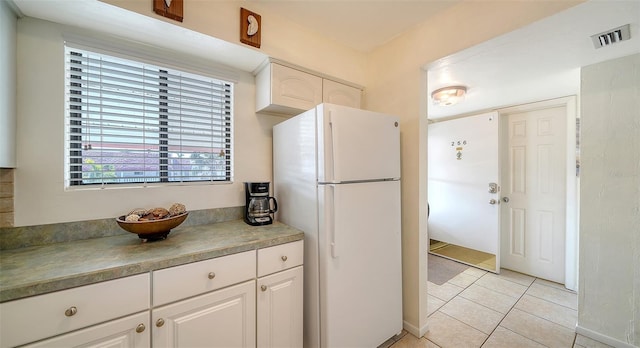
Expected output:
(196, 278)
(132, 331)
(280, 257)
(43, 316)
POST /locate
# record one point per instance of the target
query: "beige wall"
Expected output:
(609, 277)
(397, 84)
(281, 38)
(40, 195)
(393, 76)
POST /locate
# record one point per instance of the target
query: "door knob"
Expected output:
(505, 199)
(492, 201)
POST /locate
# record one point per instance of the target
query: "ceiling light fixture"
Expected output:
(448, 95)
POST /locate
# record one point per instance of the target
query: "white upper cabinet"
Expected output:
(282, 90)
(288, 91)
(341, 94)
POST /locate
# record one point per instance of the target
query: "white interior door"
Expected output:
(533, 219)
(463, 162)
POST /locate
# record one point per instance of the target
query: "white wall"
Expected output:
(7, 85)
(40, 196)
(609, 273)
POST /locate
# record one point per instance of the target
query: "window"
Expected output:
(132, 122)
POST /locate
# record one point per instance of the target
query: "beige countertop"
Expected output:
(41, 269)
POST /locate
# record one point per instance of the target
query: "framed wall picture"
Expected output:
(250, 27)
(169, 8)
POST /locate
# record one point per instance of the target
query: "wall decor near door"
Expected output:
(464, 187)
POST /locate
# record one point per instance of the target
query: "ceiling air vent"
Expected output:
(612, 36)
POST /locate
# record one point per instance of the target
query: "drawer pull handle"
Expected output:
(212, 275)
(159, 322)
(71, 311)
(140, 328)
(263, 288)
(284, 258)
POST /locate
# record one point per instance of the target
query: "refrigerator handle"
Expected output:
(331, 153)
(332, 220)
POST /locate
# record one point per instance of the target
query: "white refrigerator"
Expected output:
(337, 178)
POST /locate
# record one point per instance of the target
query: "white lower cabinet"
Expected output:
(279, 302)
(130, 332)
(223, 318)
(45, 316)
(248, 299)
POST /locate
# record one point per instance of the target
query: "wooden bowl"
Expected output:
(152, 229)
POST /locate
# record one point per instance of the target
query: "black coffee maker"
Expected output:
(257, 210)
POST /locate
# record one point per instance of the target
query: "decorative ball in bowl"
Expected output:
(150, 227)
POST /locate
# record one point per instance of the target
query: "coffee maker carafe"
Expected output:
(257, 210)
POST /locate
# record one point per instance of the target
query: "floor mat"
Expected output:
(464, 255)
(440, 270)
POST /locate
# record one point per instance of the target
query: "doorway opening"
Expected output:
(506, 207)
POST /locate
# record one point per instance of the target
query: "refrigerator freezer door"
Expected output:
(357, 145)
(360, 263)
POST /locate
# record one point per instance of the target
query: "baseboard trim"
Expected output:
(418, 332)
(602, 338)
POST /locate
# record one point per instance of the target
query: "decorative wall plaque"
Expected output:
(250, 27)
(169, 8)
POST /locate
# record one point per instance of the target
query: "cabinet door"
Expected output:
(280, 309)
(132, 331)
(295, 89)
(224, 318)
(338, 93)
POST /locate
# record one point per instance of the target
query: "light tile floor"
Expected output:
(482, 309)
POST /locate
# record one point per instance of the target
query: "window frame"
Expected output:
(73, 151)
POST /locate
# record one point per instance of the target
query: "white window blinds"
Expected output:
(131, 122)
